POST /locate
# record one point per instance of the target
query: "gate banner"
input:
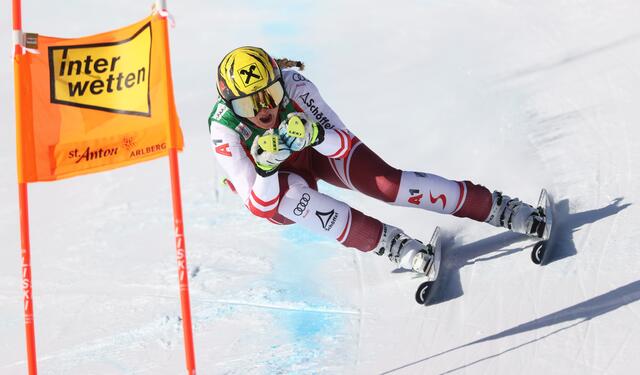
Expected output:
(95, 103)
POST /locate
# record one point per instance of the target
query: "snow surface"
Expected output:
(512, 94)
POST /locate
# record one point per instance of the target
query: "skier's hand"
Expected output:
(268, 152)
(298, 131)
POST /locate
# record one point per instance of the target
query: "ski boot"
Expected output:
(516, 216)
(406, 252)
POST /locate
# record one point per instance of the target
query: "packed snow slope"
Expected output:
(515, 95)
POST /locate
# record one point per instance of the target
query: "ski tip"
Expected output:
(435, 235)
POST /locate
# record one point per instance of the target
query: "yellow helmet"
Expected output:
(245, 71)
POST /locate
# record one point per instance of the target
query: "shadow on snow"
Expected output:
(581, 312)
(575, 57)
(566, 224)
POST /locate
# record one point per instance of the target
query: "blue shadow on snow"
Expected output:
(307, 315)
(455, 257)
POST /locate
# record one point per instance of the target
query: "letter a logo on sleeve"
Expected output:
(112, 77)
(223, 149)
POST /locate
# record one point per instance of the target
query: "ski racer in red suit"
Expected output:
(275, 137)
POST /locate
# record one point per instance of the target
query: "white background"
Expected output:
(515, 95)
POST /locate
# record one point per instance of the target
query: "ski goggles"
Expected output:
(267, 98)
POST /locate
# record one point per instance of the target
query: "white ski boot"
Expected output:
(516, 216)
(406, 252)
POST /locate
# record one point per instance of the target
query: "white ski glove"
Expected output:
(268, 152)
(298, 131)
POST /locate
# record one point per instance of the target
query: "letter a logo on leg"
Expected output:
(415, 199)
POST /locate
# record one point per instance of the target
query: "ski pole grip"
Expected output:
(269, 143)
(295, 127)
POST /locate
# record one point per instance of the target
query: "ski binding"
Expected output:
(434, 248)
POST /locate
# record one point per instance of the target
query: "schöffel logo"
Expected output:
(250, 74)
(302, 204)
(328, 219)
(111, 77)
(320, 117)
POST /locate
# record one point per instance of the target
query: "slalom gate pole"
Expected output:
(24, 208)
(26, 279)
(181, 253)
(182, 262)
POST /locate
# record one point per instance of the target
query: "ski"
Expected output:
(542, 248)
(425, 290)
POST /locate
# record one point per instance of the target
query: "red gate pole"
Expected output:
(24, 207)
(182, 263)
(183, 277)
(26, 279)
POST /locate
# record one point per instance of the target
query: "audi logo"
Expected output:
(304, 201)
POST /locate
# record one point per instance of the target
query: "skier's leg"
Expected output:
(438, 194)
(365, 171)
(302, 204)
(329, 217)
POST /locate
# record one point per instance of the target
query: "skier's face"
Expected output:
(266, 118)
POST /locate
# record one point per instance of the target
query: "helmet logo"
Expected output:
(250, 74)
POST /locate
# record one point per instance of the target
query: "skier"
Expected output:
(276, 137)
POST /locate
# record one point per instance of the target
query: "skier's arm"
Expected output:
(261, 195)
(306, 98)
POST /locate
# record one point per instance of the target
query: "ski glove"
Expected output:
(268, 153)
(298, 131)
